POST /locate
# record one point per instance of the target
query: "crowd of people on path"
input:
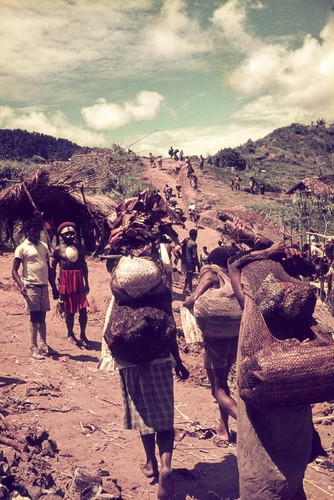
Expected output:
(179, 156)
(274, 444)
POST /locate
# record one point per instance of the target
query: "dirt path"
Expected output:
(80, 406)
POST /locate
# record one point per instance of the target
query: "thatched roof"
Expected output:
(315, 185)
(59, 201)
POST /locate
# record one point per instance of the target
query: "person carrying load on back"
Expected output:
(141, 332)
(276, 438)
(218, 315)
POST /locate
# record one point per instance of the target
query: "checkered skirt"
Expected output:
(148, 397)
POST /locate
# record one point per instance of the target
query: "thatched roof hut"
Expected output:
(59, 201)
(315, 185)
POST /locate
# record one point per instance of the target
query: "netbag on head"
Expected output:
(137, 277)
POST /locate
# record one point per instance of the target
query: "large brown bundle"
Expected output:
(296, 368)
(142, 331)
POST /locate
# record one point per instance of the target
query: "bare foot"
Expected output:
(150, 470)
(224, 440)
(166, 485)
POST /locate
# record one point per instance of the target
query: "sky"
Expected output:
(149, 74)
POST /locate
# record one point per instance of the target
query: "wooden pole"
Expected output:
(33, 204)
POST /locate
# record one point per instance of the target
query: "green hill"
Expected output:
(286, 155)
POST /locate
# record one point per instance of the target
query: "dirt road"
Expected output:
(72, 412)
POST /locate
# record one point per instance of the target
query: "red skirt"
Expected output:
(72, 290)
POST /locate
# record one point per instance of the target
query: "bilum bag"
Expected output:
(217, 311)
(276, 372)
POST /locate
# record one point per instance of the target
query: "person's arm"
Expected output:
(52, 273)
(85, 275)
(235, 278)
(208, 280)
(84, 268)
(180, 370)
(194, 255)
(17, 278)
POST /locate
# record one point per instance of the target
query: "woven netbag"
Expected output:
(275, 372)
(141, 332)
(218, 315)
(137, 277)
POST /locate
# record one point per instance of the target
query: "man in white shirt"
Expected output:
(33, 255)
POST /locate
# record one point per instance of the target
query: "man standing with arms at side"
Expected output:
(73, 281)
(189, 259)
(34, 256)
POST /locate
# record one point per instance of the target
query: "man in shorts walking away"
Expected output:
(34, 256)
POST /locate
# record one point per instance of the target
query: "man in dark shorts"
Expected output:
(189, 259)
(33, 254)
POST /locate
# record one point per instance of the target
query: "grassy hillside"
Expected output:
(290, 154)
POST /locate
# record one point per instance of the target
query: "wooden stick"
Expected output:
(320, 419)
(13, 444)
(33, 204)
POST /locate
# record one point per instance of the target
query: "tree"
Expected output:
(229, 157)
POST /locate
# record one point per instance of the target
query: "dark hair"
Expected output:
(219, 256)
(193, 233)
(30, 223)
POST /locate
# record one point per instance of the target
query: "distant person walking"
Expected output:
(178, 188)
(201, 163)
(152, 160)
(189, 259)
(252, 185)
(237, 182)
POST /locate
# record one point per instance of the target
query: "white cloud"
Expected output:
(61, 43)
(110, 116)
(55, 124)
(283, 80)
(174, 36)
(231, 19)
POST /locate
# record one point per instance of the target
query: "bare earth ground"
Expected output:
(70, 413)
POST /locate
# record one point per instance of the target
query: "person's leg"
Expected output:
(221, 392)
(69, 320)
(44, 348)
(188, 282)
(83, 319)
(150, 468)
(165, 441)
(33, 330)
